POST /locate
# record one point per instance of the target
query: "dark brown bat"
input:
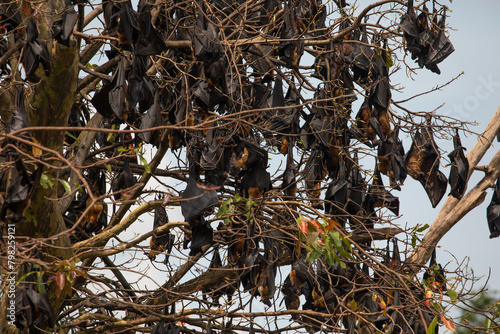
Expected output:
(423, 165)
(380, 196)
(196, 199)
(163, 241)
(149, 120)
(255, 182)
(434, 276)
(123, 182)
(63, 28)
(336, 193)
(110, 100)
(493, 212)
(459, 169)
(34, 52)
(314, 174)
(17, 192)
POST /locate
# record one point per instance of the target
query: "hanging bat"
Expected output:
(123, 182)
(459, 170)
(382, 197)
(336, 194)
(18, 191)
(34, 52)
(197, 198)
(96, 218)
(391, 160)
(440, 46)
(423, 165)
(314, 174)
(202, 234)
(163, 241)
(255, 182)
(63, 28)
(149, 120)
(110, 100)
(246, 154)
(493, 212)
(434, 276)
(289, 183)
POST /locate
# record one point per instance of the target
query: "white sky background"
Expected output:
(475, 25)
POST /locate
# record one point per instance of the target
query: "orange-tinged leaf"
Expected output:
(428, 295)
(448, 323)
(60, 282)
(35, 150)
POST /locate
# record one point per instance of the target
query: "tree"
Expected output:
(479, 313)
(223, 94)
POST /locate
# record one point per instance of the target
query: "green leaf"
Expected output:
(66, 186)
(222, 209)
(46, 181)
(423, 228)
(432, 327)
(145, 163)
(336, 239)
(453, 296)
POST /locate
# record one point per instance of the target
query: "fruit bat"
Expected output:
(19, 119)
(123, 182)
(391, 160)
(290, 51)
(336, 194)
(434, 276)
(459, 169)
(363, 131)
(356, 189)
(411, 30)
(32, 308)
(166, 328)
(18, 191)
(206, 41)
(255, 182)
(149, 120)
(128, 26)
(96, 218)
(163, 241)
(110, 100)
(63, 28)
(247, 154)
(423, 165)
(217, 291)
(314, 174)
(289, 183)
(197, 198)
(150, 41)
(380, 196)
(440, 46)
(206, 95)
(493, 212)
(76, 119)
(360, 59)
(34, 52)
(256, 58)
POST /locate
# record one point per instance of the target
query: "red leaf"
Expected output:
(60, 282)
(448, 323)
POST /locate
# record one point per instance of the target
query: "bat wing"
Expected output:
(493, 212)
(196, 200)
(435, 185)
